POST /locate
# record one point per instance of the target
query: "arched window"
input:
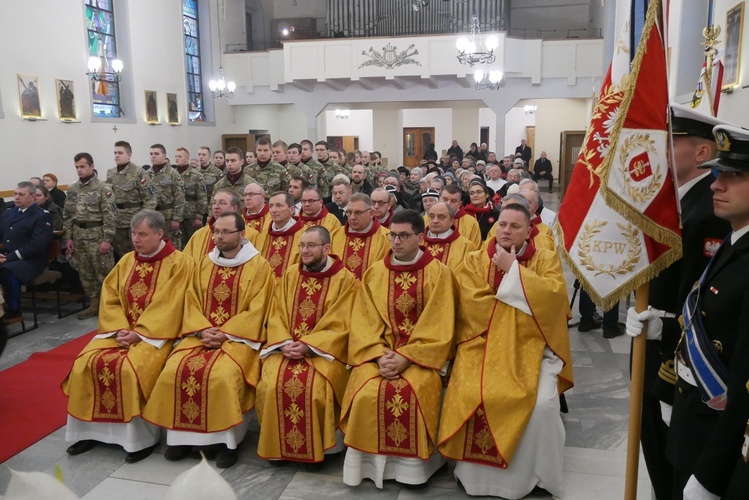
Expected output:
(190, 25)
(102, 44)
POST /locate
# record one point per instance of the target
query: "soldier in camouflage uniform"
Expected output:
(235, 179)
(170, 192)
(211, 175)
(133, 192)
(296, 168)
(195, 195)
(307, 155)
(337, 160)
(270, 175)
(89, 222)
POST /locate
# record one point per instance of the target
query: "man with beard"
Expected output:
(359, 182)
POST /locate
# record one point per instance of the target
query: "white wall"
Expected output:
(359, 123)
(282, 121)
(553, 117)
(515, 122)
(49, 146)
(488, 118)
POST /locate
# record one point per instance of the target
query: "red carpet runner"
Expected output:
(32, 405)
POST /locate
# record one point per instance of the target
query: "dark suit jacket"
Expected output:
(525, 153)
(541, 165)
(25, 238)
(668, 291)
(336, 210)
(366, 187)
(702, 441)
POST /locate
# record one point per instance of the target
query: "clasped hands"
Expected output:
(212, 337)
(295, 350)
(126, 338)
(392, 364)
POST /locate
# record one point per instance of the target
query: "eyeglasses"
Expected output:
(311, 246)
(311, 201)
(400, 236)
(378, 203)
(356, 213)
(221, 232)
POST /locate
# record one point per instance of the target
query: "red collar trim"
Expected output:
(337, 266)
(163, 253)
(425, 259)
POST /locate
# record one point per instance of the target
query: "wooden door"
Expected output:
(530, 136)
(415, 143)
(569, 149)
(245, 142)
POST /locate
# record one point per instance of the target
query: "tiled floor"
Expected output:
(594, 459)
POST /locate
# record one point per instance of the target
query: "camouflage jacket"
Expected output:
(90, 212)
(132, 190)
(272, 177)
(196, 196)
(170, 192)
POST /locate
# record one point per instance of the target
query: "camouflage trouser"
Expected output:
(188, 229)
(175, 237)
(91, 265)
(122, 243)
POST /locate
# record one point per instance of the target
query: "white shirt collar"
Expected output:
(738, 234)
(246, 253)
(441, 236)
(683, 190)
(366, 229)
(286, 226)
(410, 262)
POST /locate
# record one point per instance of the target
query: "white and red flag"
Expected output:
(706, 97)
(619, 220)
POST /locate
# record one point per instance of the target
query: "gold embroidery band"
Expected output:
(479, 445)
(191, 390)
(295, 409)
(107, 373)
(405, 303)
(396, 417)
(140, 287)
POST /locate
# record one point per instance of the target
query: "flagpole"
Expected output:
(635, 399)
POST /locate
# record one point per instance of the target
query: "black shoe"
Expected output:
(413, 486)
(174, 453)
(226, 458)
(81, 447)
(211, 451)
(315, 466)
(613, 332)
(278, 463)
(588, 324)
(137, 456)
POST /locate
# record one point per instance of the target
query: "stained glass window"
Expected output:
(190, 22)
(102, 43)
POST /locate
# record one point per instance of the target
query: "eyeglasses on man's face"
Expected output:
(311, 246)
(400, 236)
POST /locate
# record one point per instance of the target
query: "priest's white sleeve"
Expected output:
(511, 290)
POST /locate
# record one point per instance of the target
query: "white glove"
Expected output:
(635, 323)
(666, 412)
(695, 491)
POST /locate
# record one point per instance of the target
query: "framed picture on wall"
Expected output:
(28, 94)
(172, 111)
(732, 53)
(152, 108)
(65, 99)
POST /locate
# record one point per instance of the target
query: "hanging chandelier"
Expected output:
(471, 50)
(220, 87)
(491, 80)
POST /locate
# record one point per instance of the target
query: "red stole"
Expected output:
(397, 408)
(356, 251)
(139, 287)
(256, 221)
(193, 372)
(296, 377)
(313, 221)
(439, 248)
(387, 220)
(278, 251)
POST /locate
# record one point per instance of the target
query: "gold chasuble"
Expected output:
(541, 234)
(257, 221)
(451, 250)
(108, 383)
(298, 401)
(409, 309)
(358, 251)
(209, 390)
(494, 382)
(202, 242)
(281, 248)
(468, 227)
(323, 218)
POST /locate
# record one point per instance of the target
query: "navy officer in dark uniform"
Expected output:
(702, 233)
(25, 234)
(711, 407)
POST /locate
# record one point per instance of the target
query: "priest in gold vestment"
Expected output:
(202, 242)
(362, 241)
(541, 234)
(443, 240)
(401, 337)
(281, 243)
(256, 214)
(314, 212)
(304, 361)
(139, 317)
(500, 417)
(208, 385)
(465, 223)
